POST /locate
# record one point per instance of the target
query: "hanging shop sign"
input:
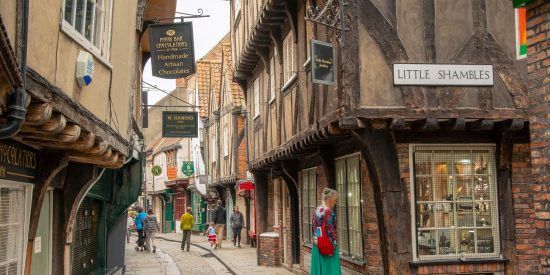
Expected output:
(188, 168)
(172, 173)
(323, 63)
(442, 75)
(156, 170)
(521, 33)
(18, 162)
(180, 124)
(84, 68)
(172, 50)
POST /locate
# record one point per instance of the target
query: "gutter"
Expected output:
(16, 104)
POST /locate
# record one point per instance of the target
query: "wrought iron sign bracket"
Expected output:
(331, 15)
(184, 15)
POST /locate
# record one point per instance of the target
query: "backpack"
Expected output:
(323, 242)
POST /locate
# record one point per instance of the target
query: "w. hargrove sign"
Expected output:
(180, 124)
(172, 52)
(443, 74)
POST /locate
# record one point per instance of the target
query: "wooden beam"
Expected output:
(429, 124)
(453, 124)
(510, 125)
(481, 125)
(38, 113)
(70, 134)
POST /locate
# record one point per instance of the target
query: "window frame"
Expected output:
(495, 220)
(307, 218)
(344, 200)
(256, 91)
(101, 52)
(225, 142)
(289, 60)
(25, 219)
(272, 80)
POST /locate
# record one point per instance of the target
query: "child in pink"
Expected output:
(211, 231)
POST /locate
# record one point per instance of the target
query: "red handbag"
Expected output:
(323, 243)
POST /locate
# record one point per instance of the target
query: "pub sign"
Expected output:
(172, 50)
(179, 124)
(18, 162)
(323, 63)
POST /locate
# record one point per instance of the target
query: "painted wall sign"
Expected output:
(172, 50)
(84, 68)
(18, 162)
(188, 168)
(442, 75)
(323, 63)
(180, 124)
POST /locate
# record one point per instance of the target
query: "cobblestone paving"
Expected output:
(201, 259)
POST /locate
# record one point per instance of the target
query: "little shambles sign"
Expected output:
(18, 162)
(172, 51)
(179, 124)
(442, 75)
(323, 71)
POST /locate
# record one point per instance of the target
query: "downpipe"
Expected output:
(16, 104)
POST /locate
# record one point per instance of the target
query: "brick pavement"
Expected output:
(171, 260)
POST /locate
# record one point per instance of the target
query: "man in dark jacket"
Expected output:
(219, 218)
(236, 222)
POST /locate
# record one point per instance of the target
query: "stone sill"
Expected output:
(458, 261)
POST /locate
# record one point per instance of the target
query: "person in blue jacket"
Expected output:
(140, 217)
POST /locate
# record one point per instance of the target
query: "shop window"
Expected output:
(455, 209)
(348, 210)
(289, 53)
(88, 20)
(309, 202)
(13, 212)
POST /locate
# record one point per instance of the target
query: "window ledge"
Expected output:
(458, 261)
(307, 64)
(256, 117)
(289, 83)
(80, 40)
(357, 262)
(272, 100)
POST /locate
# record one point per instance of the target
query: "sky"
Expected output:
(207, 33)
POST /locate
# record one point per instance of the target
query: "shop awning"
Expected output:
(520, 3)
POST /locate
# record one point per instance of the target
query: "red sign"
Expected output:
(246, 185)
(172, 173)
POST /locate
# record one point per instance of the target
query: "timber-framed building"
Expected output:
(431, 179)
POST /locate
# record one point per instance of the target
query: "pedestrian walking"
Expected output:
(211, 233)
(219, 218)
(129, 227)
(186, 224)
(140, 217)
(151, 227)
(236, 222)
(324, 254)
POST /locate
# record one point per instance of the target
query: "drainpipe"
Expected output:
(16, 104)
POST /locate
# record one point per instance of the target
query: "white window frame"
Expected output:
(101, 51)
(256, 90)
(26, 219)
(289, 56)
(272, 80)
(308, 202)
(225, 142)
(344, 199)
(495, 219)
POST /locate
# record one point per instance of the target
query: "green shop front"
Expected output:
(100, 227)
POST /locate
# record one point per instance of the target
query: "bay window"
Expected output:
(455, 202)
(348, 209)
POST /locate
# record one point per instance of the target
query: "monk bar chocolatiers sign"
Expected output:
(172, 51)
(180, 124)
(18, 162)
(443, 74)
(323, 61)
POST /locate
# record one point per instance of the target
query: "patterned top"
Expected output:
(330, 226)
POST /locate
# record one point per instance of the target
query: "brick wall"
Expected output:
(538, 32)
(270, 249)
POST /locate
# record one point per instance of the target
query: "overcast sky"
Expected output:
(207, 31)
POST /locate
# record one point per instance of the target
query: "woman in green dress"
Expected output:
(325, 264)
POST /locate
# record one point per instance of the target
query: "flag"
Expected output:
(521, 33)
